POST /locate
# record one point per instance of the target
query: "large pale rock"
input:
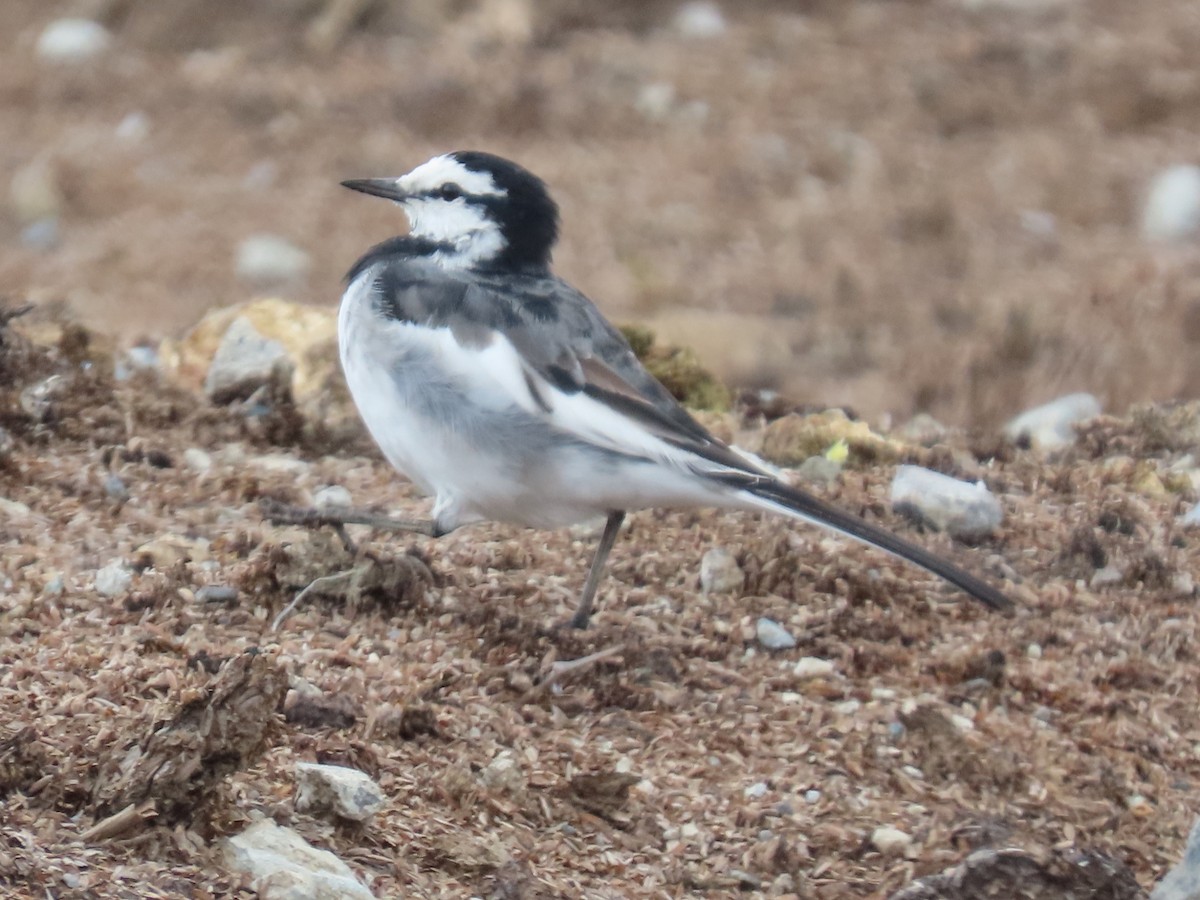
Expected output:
(282, 865)
(960, 508)
(1183, 881)
(1051, 426)
(307, 333)
(244, 362)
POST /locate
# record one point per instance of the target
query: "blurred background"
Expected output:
(962, 207)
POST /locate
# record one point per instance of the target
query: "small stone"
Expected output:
(1139, 806)
(700, 19)
(756, 791)
(922, 429)
(72, 41)
(281, 865)
(14, 509)
(114, 487)
(819, 470)
(774, 636)
(270, 259)
(134, 128)
(1172, 210)
(55, 587)
(113, 580)
(7, 444)
(244, 362)
(1183, 881)
(656, 100)
(332, 496)
(809, 667)
(1034, 651)
(1182, 584)
(811, 796)
(41, 235)
(1109, 575)
(217, 593)
(197, 460)
(1191, 517)
(961, 509)
(720, 573)
(890, 841)
(1051, 426)
(882, 693)
(338, 790)
(503, 774)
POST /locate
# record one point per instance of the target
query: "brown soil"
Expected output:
(859, 178)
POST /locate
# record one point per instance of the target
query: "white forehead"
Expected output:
(442, 169)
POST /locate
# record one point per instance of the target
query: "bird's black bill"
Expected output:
(376, 187)
(818, 511)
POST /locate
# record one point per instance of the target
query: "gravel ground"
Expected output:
(683, 759)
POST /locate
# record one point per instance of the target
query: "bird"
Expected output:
(501, 391)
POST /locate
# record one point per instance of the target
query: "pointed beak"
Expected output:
(387, 188)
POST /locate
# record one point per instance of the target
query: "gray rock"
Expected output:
(41, 235)
(720, 573)
(270, 259)
(1172, 210)
(337, 790)
(113, 580)
(281, 865)
(756, 791)
(700, 19)
(1051, 426)
(72, 41)
(959, 508)
(774, 636)
(217, 593)
(244, 362)
(115, 487)
(1183, 881)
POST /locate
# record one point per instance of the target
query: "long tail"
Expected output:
(778, 497)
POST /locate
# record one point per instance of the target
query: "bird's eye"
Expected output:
(450, 191)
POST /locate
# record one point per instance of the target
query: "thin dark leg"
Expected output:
(583, 612)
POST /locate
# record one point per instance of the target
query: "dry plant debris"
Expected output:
(662, 753)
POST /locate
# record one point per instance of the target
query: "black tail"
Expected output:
(802, 505)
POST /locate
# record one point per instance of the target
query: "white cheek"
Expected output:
(473, 235)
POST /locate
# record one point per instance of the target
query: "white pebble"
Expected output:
(1034, 651)
(72, 41)
(812, 795)
(269, 258)
(812, 667)
(720, 573)
(700, 19)
(890, 841)
(113, 579)
(333, 495)
(756, 791)
(197, 460)
(774, 636)
(1172, 209)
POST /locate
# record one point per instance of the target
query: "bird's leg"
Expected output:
(583, 612)
(338, 517)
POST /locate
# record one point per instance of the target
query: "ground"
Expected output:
(859, 193)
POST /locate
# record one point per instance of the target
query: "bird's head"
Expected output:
(481, 211)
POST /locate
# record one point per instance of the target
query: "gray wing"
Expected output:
(562, 339)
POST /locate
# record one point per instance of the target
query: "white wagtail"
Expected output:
(503, 392)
